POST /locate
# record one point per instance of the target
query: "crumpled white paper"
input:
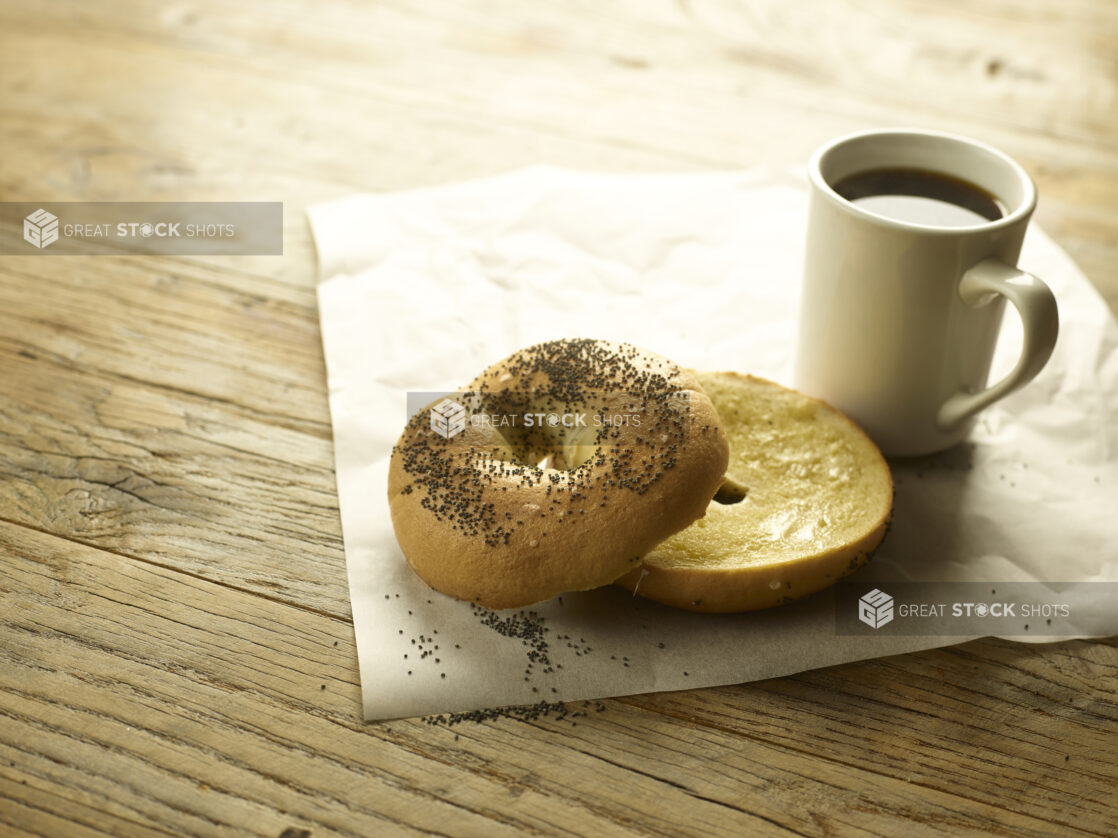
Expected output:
(422, 290)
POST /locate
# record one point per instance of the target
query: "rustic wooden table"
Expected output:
(176, 652)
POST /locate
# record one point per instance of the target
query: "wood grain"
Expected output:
(176, 655)
(169, 702)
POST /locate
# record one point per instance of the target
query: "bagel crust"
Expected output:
(808, 498)
(529, 500)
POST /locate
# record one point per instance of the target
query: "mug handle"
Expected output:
(1040, 321)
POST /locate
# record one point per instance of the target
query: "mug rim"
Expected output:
(1021, 213)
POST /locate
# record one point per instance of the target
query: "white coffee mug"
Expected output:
(899, 319)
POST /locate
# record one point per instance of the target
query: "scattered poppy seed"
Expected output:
(523, 712)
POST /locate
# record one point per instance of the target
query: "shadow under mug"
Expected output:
(899, 320)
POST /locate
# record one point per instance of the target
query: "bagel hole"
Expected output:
(550, 452)
(554, 460)
(730, 492)
(566, 459)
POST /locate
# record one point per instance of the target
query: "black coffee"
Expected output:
(920, 196)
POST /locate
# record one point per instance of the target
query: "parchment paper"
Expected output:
(422, 290)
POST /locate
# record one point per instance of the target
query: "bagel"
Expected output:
(808, 497)
(508, 507)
